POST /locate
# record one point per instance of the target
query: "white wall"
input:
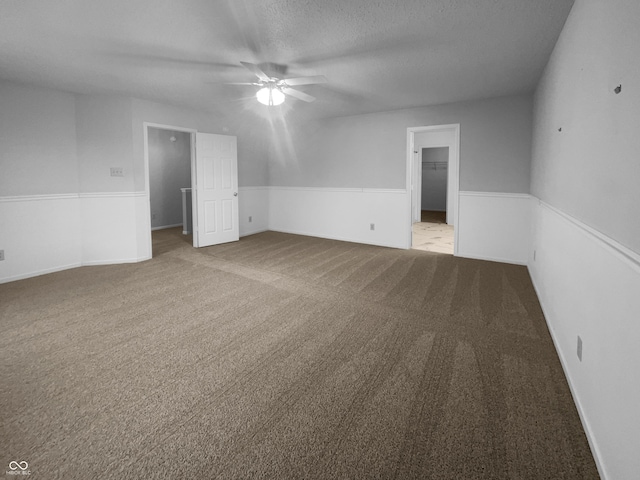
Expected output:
(108, 226)
(39, 234)
(494, 226)
(588, 285)
(253, 202)
(107, 205)
(341, 156)
(93, 133)
(330, 213)
(59, 205)
(586, 231)
(39, 227)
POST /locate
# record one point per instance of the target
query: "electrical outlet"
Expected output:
(373, 226)
(153, 216)
(1, 255)
(250, 219)
(117, 172)
(579, 348)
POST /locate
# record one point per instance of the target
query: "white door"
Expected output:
(215, 199)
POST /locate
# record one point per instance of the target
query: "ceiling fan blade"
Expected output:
(378, 46)
(298, 94)
(255, 69)
(305, 80)
(149, 55)
(242, 83)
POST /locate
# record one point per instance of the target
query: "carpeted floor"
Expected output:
(285, 357)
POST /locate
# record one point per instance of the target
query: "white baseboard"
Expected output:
(164, 227)
(37, 273)
(328, 237)
(246, 233)
(114, 261)
(494, 259)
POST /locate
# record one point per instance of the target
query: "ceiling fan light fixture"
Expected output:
(270, 96)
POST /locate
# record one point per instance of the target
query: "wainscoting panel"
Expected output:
(341, 214)
(39, 234)
(253, 202)
(143, 220)
(109, 227)
(588, 286)
(494, 226)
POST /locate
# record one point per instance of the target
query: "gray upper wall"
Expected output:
(591, 169)
(105, 140)
(74, 139)
(37, 141)
(54, 142)
(369, 151)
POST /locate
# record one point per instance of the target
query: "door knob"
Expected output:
(235, 194)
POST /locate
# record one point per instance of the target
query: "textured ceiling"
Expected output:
(376, 54)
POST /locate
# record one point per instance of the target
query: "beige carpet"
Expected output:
(284, 357)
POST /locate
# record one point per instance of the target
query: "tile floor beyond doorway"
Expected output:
(432, 234)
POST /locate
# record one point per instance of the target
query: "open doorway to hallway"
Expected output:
(169, 178)
(432, 233)
(433, 166)
(168, 168)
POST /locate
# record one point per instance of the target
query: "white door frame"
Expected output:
(147, 186)
(417, 194)
(453, 176)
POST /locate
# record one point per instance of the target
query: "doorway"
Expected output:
(433, 180)
(169, 160)
(431, 232)
(169, 178)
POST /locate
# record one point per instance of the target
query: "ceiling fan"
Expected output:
(273, 89)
